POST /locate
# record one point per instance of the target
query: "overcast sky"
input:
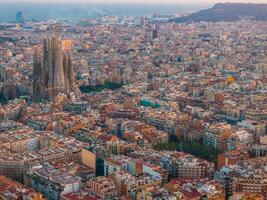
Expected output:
(141, 1)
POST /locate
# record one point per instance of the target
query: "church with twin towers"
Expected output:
(53, 71)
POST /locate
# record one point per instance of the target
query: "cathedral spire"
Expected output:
(53, 71)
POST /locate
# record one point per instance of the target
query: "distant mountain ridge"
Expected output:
(227, 12)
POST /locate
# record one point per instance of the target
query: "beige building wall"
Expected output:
(89, 159)
(263, 139)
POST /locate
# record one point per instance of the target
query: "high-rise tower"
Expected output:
(53, 70)
(19, 17)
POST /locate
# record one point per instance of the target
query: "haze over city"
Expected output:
(139, 1)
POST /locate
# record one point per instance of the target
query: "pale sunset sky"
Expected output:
(142, 1)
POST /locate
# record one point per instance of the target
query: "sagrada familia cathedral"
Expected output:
(53, 70)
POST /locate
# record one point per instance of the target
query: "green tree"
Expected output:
(194, 148)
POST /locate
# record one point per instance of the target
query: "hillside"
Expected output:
(227, 12)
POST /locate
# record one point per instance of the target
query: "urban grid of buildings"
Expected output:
(128, 108)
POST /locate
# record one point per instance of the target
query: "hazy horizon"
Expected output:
(80, 9)
(193, 2)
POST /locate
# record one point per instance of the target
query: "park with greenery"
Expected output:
(99, 88)
(3, 99)
(195, 148)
